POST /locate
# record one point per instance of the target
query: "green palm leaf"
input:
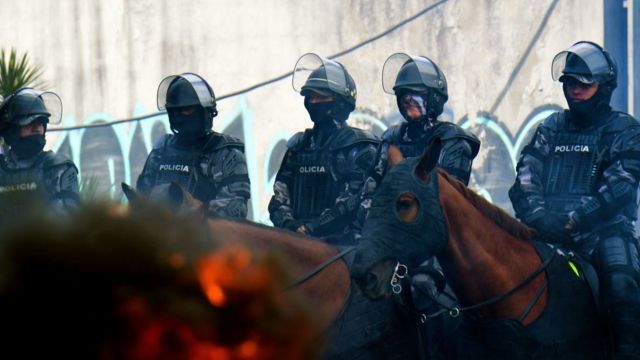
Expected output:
(16, 72)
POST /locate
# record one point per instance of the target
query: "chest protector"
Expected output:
(408, 147)
(315, 187)
(28, 181)
(187, 167)
(319, 172)
(574, 167)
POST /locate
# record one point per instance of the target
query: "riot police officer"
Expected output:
(577, 183)
(26, 169)
(210, 165)
(420, 88)
(317, 188)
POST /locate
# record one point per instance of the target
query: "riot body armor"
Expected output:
(205, 171)
(322, 181)
(459, 147)
(577, 185)
(47, 176)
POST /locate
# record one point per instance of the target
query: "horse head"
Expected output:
(405, 225)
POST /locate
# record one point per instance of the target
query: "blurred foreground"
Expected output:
(109, 283)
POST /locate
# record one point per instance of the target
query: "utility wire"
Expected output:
(270, 81)
(524, 57)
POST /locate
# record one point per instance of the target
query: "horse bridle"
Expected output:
(455, 311)
(321, 267)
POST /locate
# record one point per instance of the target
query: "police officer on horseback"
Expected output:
(577, 183)
(26, 169)
(317, 188)
(209, 165)
(420, 88)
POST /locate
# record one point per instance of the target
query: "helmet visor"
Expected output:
(426, 73)
(315, 73)
(29, 104)
(583, 61)
(198, 84)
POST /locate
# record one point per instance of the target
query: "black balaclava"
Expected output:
(190, 129)
(24, 147)
(588, 112)
(327, 117)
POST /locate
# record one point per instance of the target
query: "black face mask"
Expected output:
(327, 112)
(320, 113)
(188, 127)
(587, 112)
(28, 146)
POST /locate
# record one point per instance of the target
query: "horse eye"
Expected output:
(407, 207)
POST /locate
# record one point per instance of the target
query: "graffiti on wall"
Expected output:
(113, 154)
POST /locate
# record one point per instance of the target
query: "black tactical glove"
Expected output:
(424, 289)
(552, 227)
(292, 224)
(427, 284)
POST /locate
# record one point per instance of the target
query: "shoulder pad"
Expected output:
(224, 140)
(52, 159)
(162, 141)
(349, 136)
(392, 134)
(297, 140)
(619, 121)
(450, 132)
(447, 130)
(555, 121)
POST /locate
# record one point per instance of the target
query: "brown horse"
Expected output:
(524, 300)
(355, 326)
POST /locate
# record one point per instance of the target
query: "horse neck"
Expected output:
(300, 252)
(327, 289)
(482, 260)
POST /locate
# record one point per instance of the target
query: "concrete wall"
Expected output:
(106, 58)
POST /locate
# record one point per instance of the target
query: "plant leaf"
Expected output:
(17, 71)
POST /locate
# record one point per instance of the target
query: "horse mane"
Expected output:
(499, 216)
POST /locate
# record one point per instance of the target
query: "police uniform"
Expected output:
(214, 173)
(26, 171)
(48, 176)
(210, 166)
(320, 184)
(458, 147)
(583, 166)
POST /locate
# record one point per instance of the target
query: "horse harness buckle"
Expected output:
(399, 273)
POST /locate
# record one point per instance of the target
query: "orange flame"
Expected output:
(215, 294)
(259, 320)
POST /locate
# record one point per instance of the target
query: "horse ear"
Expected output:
(131, 193)
(176, 194)
(394, 156)
(429, 160)
(181, 198)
